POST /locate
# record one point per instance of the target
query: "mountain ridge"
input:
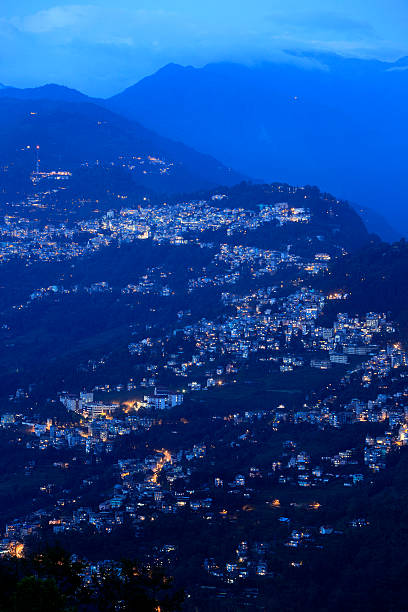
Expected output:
(48, 91)
(70, 133)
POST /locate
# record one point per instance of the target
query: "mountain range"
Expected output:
(340, 123)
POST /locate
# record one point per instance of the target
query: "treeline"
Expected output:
(363, 570)
(376, 280)
(50, 581)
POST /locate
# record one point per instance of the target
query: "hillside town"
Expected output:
(238, 404)
(26, 237)
(156, 485)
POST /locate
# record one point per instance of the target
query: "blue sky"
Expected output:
(103, 46)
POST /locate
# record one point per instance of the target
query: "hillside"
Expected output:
(100, 322)
(71, 133)
(333, 223)
(375, 279)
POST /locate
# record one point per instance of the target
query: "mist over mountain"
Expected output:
(337, 122)
(376, 223)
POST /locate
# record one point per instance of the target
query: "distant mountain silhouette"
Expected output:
(69, 133)
(327, 120)
(45, 92)
(377, 224)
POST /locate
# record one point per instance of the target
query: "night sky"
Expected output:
(101, 46)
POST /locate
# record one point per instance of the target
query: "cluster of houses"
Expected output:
(265, 327)
(159, 483)
(259, 326)
(24, 238)
(248, 561)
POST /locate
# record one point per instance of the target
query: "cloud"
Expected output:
(340, 23)
(55, 18)
(320, 23)
(103, 45)
(98, 24)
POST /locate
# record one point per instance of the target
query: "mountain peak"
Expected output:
(171, 67)
(170, 70)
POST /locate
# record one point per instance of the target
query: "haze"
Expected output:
(101, 47)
